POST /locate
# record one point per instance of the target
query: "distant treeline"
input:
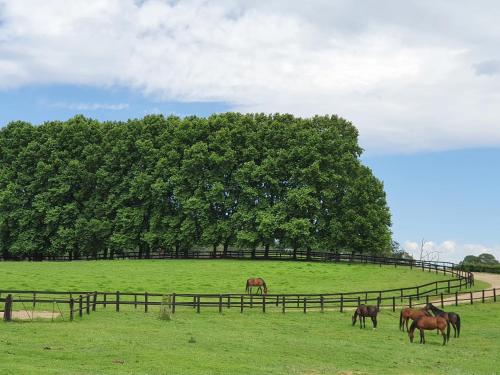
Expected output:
(84, 187)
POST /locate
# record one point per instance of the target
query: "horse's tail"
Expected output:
(401, 320)
(458, 325)
(448, 329)
(354, 316)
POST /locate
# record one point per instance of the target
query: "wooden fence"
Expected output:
(83, 303)
(69, 304)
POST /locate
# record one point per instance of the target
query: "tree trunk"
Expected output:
(214, 254)
(224, 252)
(266, 251)
(177, 251)
(308, 256)
(253, 252)
(294, 252)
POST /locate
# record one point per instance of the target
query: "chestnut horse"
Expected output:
(258, 282)
(430, 323)
(363, 311)
(452, 317)
(407, 314)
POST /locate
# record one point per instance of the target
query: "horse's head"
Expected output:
(429, 307)
(354, 318)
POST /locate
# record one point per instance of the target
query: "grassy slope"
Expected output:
(205, 276)
(131, 342)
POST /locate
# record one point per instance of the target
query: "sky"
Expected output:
(420, 79)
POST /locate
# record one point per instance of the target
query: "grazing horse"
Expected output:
(258, 282)
(430, 323)
(452, 317)
(407, 314)
(363, 311)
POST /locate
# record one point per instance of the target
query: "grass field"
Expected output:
(208, 276)
(132, 342)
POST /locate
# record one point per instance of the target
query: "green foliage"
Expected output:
(82, 187)
(481, 263)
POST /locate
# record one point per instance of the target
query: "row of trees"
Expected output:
(84, 187)
(482, 263)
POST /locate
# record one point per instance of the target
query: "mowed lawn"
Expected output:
(132, 342)
(207, 276)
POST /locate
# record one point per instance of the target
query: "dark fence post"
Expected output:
(220, 304)
(410, 302)
(442, 302)
(145, 302)
(471, 299)
(448, 286)
(426, 299)
(494, 294)
(71, 307)
(264, 303)
(305, 305)
(456, 298)
(198, 304)
(87, 303)
(80, 306)
(283, 303)
(393, 303)
(173, 303)
(379, 302)
(105, 295)
(482, 296)
(341, 302)
(241, 303)
(94, 301)
(321, 301)
(117, 301)
(7, 314)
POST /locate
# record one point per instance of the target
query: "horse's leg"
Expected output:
(422, 336)
(406, 322)
(444, 336)
(454, 328)
(374, 321)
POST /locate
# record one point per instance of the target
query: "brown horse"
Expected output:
(452, 317)
(363, 311)
(258, 282)
(430, 323)
(407, 314)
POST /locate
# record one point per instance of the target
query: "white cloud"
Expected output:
(411, 75)
(449, 250)
(89, 106)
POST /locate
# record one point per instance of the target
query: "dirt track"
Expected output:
(28, 315)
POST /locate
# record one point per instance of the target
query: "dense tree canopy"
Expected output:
(84, 187)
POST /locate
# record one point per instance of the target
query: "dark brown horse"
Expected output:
(407, 314)
(363, 311)
(452, 317)
(430, 323)
(258, 282)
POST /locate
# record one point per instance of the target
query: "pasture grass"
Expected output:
(208, 276)
(132, 342)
